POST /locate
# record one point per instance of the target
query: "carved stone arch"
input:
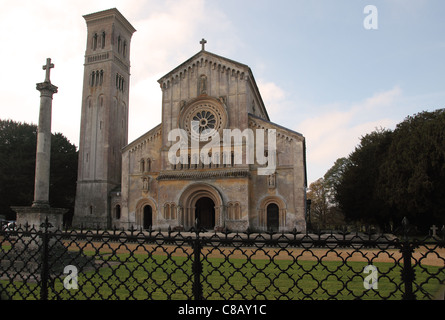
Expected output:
(101, 100)
(233, 210)
(190, 196)
(262, 210)
(88, 102)
(139, 214)
(170, 211)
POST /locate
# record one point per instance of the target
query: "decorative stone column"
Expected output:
(43, 152)
(40, 209)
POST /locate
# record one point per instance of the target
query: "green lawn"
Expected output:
(160, 277)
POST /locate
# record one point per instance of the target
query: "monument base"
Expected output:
(37, 214)
(36, 239)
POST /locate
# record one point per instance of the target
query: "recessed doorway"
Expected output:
(147, 217)
(205, 212)
(272, 217)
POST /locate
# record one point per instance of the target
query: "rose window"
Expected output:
(203, 119)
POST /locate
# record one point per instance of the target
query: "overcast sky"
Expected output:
(319, 70)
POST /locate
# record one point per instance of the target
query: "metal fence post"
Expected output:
(197, 266)
(408, 275)
(44, 272)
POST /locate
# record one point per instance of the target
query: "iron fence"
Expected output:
(47, 264)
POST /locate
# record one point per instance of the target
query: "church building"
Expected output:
(215, 158)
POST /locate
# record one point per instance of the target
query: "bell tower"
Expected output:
(104, 115)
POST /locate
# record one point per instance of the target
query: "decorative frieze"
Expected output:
(192, 175)
(97, 57)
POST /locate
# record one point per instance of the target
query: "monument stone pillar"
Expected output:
(40, 209)
(43, 152)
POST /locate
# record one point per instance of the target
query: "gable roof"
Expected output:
(223, 63)
(204, 55)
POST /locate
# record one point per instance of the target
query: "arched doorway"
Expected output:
(193, 205)
(205, 212)
(273, 221)
(147, 218)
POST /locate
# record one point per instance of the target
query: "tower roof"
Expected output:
(113, 12)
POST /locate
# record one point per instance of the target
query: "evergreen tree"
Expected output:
(412, 177)
(17, 168)
(357, 192)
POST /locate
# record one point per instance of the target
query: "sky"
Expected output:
(320, 71)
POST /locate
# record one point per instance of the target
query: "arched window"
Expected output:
(118, 211)
(148, 167)
(103, 39)
(95, 41)
(167, 211)
(119, 44)
(170, 211)
(142, 165)
(125, 49)
(234, 210)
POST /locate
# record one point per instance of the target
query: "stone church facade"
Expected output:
(138, 184)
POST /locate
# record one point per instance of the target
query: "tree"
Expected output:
(412, 177)
(317, 193)
(63, 174)
(324, 214)
(333, 178)
(17, 167)
(396, 174)
(357, 192)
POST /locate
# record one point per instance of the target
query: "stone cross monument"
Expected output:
(43, 153)
(40, 209)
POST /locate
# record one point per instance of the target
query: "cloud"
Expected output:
(273, 97)
(335, 130)
(336, 133)
(381, 99)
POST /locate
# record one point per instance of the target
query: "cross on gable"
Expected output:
(48, 68)
(203, 43)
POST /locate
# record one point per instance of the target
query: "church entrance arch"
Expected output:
(147, 217)
(272, 213)
(205, 213)
(273, 219)
(201, 201)
(145, 213)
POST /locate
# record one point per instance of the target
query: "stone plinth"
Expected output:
(36, 215)
(38, 239)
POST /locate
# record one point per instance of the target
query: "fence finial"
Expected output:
(46, 224)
